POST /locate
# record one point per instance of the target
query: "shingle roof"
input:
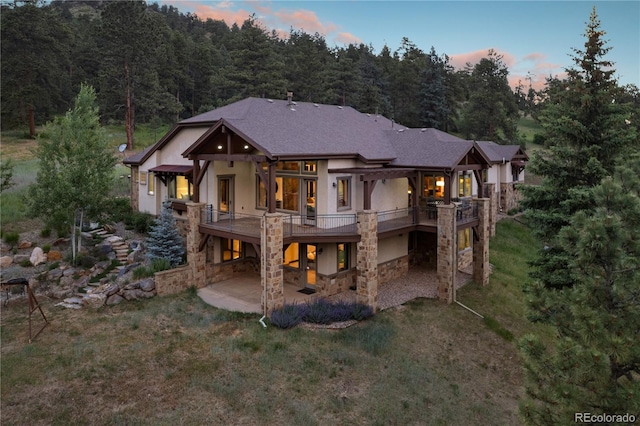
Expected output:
(303, 128)
(427, 148)
(497, 153)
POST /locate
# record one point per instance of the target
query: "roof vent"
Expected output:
(400, 130)
(270, 101)
(339, 107)
(423, 130)
(316, 105)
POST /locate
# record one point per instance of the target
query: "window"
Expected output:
(231, 249)
(143, 178)
(464, 239)
(152, 184)
(433, 186)
(179, 188)
(464, 185)
(344, 193)
(292, 256)
(515, 173)
(311, 167)
(288, 166)
(343, 257)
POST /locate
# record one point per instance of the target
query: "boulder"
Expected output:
(54, 274)
(111, 289)
(5, 261)
(25, 245)
(37, 256)
(94, 300)
(148, 285)
(54, 255)
(114, 300)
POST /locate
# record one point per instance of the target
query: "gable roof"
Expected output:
(281, 128)
(498, 153)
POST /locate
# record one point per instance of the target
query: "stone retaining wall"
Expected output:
(389, 271)
(174, 280)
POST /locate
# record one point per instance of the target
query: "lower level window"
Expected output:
(464, 239)
(179, 188)
(231, 249)
(343, 257)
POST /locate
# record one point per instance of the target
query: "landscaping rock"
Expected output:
(148, 285)
(95, 300)
(25, 245)
(111, 289)
(37, 256)
(54, 274)
(5, 261)
(54, 255)
(114, 300)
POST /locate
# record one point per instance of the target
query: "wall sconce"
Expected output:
(219, 146)
(384, 181)
(335, 184)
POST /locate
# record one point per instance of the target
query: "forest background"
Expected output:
(155, 65)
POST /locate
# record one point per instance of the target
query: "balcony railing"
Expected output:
(240, 223)
(323, 224)
(393, 219)
(467, 210)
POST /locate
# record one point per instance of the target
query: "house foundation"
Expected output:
(272, 276)
(447, 263)
(367, 259)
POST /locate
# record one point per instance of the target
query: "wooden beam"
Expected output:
(478, 176)
(271, 188)
(196, 186)
(369, 186)
(447, 188)
(229, 162)
(229, 157)
(464, 167)
(256, 247)
(203, 241)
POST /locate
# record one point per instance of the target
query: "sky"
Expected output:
(535, 38)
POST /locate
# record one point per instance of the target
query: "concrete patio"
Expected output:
(243, 293)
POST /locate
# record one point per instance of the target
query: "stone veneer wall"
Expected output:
(481, 244)
(490, 193)
(272, 277)
(367, 259)
(465, 258)
(195, 258)
(392, 269)
(328, 285)
(509, 196)
(174, 280)
(226, 271)
(447, 252)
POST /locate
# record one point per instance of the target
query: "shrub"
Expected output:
(319, 312)
(46, 248)
(11, 238)
(45, 232)
(361, 311)
(26, 263)
(287, 317)
(156, 265)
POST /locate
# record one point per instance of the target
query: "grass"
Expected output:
(176, 360)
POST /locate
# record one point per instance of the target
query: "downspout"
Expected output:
(263, 270)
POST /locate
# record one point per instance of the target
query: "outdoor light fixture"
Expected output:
(246, 147)
(219, 146)
(335, 184)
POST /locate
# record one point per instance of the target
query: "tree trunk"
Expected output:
(32, 122)
(128, 121)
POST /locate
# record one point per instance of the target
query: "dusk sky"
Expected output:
(534, 37)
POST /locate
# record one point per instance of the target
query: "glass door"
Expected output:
(310, 264)
(309, 202)
(225, 196)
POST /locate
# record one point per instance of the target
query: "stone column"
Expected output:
(196, 259)
(135, 188)
(271, 274)
(490, 193)
(367, 259)
(481, 246)
(447, 252)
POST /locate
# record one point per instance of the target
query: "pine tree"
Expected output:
(586, 131)
(164, 240)
(595, 364)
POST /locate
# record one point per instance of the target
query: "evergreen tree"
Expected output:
(595, 364)
(76, 165)
(491, 112)
(435, 107)
(164, 240)
(586, 132)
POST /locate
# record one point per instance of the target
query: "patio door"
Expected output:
(310, 264)
(225, 196)
(309, 201)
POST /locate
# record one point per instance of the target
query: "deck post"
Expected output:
(481, 244)
(447, 264)
(196, 258)
(271, 258)
(367, 259)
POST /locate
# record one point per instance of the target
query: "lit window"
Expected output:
(343, 257)
(310, 167)
(433, 186)
(143, 178)
(464, 185)
(344, 193)
(179, 188)
(287, 193)
(464, 239)
(292, 256)
(231, 249)
(152, 184)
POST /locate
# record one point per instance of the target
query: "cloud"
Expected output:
(533, 66)
(347, 38)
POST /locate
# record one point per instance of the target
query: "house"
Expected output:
(322, 196)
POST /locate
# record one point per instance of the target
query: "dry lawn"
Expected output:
(175, 360)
